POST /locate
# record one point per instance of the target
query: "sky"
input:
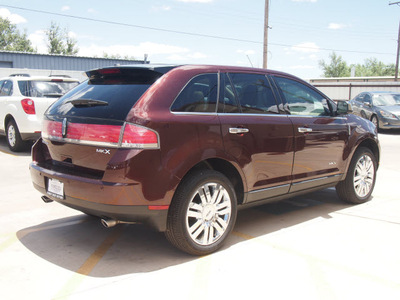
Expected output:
(222, 32)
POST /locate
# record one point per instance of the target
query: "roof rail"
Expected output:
(20, 75)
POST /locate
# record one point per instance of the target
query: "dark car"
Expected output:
(183, 148)
(381, 108)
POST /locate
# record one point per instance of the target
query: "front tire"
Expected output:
(202, 213)
(375, 121)
(14, 140)
(360, 179)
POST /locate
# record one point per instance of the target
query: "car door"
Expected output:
(357, 104)
(320, 136)
(367, 107)
(256, 136)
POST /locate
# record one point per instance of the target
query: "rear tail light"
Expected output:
(28, 106)
(125, 136)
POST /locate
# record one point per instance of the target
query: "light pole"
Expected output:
(265, 50)
(396, 72)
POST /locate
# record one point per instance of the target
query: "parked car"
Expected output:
(23, 101)
(183, 148)
(381, 108)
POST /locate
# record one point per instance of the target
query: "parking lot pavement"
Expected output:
(309, 247)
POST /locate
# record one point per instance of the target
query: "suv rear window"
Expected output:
(36, 88)
(116, 93)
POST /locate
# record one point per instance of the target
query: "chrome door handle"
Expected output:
(304, 129)
(238, 130)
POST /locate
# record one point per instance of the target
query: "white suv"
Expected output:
(23, 101)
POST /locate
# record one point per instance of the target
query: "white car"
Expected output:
(23, 101)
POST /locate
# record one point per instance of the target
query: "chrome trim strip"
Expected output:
(316, 179)
(269, 189)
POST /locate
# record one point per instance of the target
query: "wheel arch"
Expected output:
(224, 167)
(7, 119)
(373, 146)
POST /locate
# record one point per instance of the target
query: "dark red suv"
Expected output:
(182, 148)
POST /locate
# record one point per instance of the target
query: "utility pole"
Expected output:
(265, 51)
(396, 74)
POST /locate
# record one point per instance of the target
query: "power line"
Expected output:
(184, 32)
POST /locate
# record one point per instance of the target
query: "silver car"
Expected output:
(381, 108)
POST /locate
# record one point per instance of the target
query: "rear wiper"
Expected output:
(87, 102)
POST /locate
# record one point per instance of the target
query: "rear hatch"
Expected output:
(85, 128)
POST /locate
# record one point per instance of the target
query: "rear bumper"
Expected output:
(102, 199)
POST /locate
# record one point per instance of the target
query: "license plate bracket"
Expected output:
(55, 188)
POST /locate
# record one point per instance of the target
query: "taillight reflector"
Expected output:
(158, 207)
(28, 106)
(126, 136)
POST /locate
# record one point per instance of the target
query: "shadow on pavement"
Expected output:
(4, 148)
(70, 242)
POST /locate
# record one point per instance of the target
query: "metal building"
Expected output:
(23, 60)
(49, 64)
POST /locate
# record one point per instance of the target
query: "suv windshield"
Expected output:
(36, 88)
(386, 100)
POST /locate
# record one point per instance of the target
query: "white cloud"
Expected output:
(246, 52)
(91, 11)
(131, 50)
(13, 18)
(195, 1)
(308, 47)
(38, 39)
(302, 67)
(65, 8)
(161, 8)
(336, 26)
(197, 55)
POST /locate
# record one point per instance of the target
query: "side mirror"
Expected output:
(367, 104)
(343, 108)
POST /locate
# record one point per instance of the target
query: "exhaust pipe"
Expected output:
(108, 223)
(46, 199)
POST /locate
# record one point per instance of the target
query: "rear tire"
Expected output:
(202, 213)
(14, 140)
(360, 179)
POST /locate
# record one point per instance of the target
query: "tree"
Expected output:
(118, 56)
(373, 67)
(59, 42)
(11, 39)
(336, 68)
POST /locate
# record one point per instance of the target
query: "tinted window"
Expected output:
(229, 100)
(301, 99)
(367, 99)
(6, 88)
(199, 95)
(35, 88)
(254, 93)
(119, 98)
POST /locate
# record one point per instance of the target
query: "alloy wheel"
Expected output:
(364, 173)
(11, 135)
(208, 214)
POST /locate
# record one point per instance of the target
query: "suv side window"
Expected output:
(301, 99)
(254, 93)
(6, 88)
(199, 95)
